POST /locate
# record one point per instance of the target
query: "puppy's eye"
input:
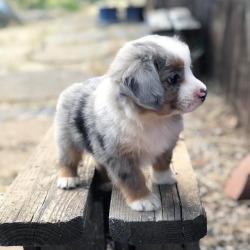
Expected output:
(173, 79)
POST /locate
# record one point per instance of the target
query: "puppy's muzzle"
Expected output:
(202, 94)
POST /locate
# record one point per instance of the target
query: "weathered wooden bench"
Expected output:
(35, 214)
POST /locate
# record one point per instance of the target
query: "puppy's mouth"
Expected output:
(189, 105)
(177, 107)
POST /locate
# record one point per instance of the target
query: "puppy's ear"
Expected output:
(141, 82)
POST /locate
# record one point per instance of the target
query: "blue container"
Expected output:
(108, 15)
(134, 14)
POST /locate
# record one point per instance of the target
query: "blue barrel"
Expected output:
(108, 15)
(134, 14)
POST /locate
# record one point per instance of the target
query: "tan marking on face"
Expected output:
(177, 63)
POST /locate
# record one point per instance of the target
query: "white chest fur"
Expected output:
(160, 135)
(153, 138)
(148, 138)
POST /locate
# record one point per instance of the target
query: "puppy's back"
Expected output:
(72, 105)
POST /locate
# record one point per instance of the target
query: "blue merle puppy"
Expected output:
(129, 118)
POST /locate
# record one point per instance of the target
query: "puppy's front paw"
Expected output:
(68, 182)
(163, 177)
(149, 203)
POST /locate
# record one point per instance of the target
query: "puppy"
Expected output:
(129, 118)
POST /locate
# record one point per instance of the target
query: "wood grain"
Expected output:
(229, 35)
(181, 220)
(34, 212)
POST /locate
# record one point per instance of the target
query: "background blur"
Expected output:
(46, 45)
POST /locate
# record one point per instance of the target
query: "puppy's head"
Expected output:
(155, 73)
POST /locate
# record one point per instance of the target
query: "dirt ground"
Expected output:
(38, 60)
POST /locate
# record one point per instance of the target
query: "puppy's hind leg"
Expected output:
(69, 158)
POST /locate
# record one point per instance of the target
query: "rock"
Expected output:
(238, 184)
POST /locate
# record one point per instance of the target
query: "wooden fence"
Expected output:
(226, 27)
(230, 28)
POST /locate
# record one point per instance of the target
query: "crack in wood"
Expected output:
(181, 215)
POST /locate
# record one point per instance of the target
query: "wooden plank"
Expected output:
(94, 233)
(193, 216)
(125, 223)
(219, 13)
(181, 220)
(231, 47)
(35, 212)
(237, 35)
(247, 21)
(240, 98)
(226, 56)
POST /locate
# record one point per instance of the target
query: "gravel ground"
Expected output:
(216, 145)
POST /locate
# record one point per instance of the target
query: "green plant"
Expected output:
(32, 3)
(43, 4)
(67, 4)
(71, 5)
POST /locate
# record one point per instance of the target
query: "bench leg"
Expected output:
(123, 246)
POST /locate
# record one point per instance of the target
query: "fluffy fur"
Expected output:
(130, 117)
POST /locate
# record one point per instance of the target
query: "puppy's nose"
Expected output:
(202, 93)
